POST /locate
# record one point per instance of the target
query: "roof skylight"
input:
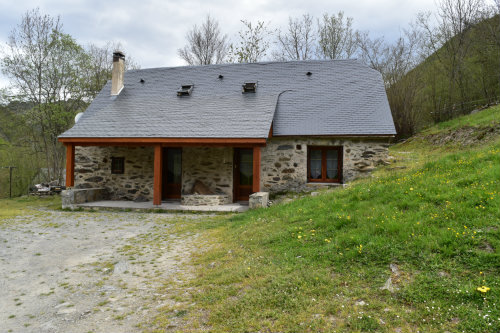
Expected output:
(249, 87)
(185, 90)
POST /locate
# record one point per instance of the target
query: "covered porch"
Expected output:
(173, 165)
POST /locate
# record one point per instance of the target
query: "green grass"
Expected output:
(318, 264)
(10, 208)
(483, 118)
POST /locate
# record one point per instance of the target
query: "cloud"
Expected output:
(152, 30)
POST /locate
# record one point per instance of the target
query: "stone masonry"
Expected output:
(72, 197)
(284, 160)
(93, 169)
(283, 166)
(204, 199)
(212, 166)
(258, 200)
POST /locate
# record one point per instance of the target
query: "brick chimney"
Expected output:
(117, 73)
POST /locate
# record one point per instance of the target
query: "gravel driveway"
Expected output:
(90, 272)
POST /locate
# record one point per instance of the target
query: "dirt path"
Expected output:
(89, 272)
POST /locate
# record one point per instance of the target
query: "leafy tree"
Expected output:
(336, 37)
(15, 150)
(253, 43)
(490, 30)
(44, 66)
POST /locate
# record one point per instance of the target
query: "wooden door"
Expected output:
(243, 174)
(172, 173)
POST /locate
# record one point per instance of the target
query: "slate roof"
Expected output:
(340, 97)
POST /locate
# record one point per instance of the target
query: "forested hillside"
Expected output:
(451, 81)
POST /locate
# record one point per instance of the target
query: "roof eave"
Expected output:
(124, 141)
(391, 135)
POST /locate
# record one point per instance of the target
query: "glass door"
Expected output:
(243, 173)
(172, 173)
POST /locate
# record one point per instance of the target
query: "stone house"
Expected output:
(236, 129)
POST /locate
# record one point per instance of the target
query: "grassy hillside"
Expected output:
(426, 227)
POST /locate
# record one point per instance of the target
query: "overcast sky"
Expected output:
(152, 30)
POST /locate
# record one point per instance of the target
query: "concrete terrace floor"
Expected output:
(170, 205)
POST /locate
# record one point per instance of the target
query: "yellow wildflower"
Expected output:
(483, 289)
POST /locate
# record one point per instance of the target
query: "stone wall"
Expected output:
(283, 166)
(93, 169)
(212, 166)
(284, 160)
(204, 200)
(72, 197)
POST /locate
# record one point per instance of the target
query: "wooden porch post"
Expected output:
(256, 170)
(70, 165)
(157, 175)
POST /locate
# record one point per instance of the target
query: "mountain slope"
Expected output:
(450, 83)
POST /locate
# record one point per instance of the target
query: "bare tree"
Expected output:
(206, 44)
(450, 44)
(100, 64)
(403, 87)
(398, 64)
(337, 39)
(373, 52)
(253, 43)
(297, 41)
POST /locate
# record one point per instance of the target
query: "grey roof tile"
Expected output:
(341, 97)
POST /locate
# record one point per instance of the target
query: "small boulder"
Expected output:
(366, 168)
(394, 269)
(388, 285)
